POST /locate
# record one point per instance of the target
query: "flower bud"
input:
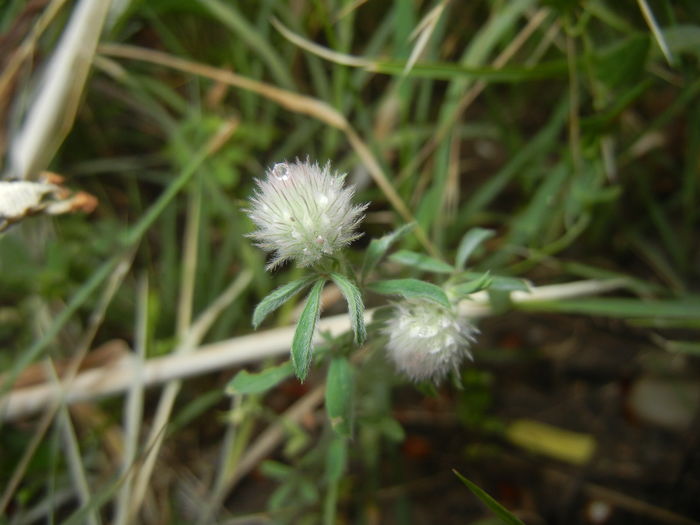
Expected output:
(427, 341)
(302, 212)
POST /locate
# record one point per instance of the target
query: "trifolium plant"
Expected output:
(304, 213)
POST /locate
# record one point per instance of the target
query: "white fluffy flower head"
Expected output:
(427, 341)
(303, 212)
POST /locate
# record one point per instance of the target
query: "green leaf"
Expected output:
(339, 395)
(421, 262)
(470, 242)
(411, 289)
(278, 297)
(491, 503)
(336, 458)
(301, 344)
(470, 287)
(356, 308)
(378, 247)
(256, 383)
(451, 71)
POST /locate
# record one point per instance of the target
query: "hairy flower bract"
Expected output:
(303, 212)
(427, 341)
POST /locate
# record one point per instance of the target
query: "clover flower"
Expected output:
(427, 341)
(303, 212)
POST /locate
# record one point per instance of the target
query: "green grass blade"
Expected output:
(225, 13)
(497, 508)
(620, 307)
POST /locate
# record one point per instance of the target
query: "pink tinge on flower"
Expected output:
(302, 212)
(427, 341)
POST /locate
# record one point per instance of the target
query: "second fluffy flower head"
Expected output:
(427, 341)
(303, 212)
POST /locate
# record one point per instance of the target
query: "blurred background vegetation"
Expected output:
(570, 128)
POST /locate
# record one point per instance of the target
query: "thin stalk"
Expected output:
(133, 409)
(75, 464)
(184, 318)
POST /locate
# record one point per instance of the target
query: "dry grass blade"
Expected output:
(422, 34)
(323, 52)
(75, 464)
(118, 377)
(103, 381)
(292, 101)
(189, 340)
(655, 29)
(52, 113)
(184, 319)
(133, 409)
(20, 55)
(287, 99)
(501, 60)
(348, 8)
(472, 94)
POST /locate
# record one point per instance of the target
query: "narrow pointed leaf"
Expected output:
(356, 309)
(256, 383)
(411, 289)
(303, 336)
(421, 262)
(499, 282)
(278, 297)
(470, 242)
(497, 508)
(378, 247)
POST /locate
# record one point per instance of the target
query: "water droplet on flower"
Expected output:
(280, 171)
(322, 199)
(319, 240)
